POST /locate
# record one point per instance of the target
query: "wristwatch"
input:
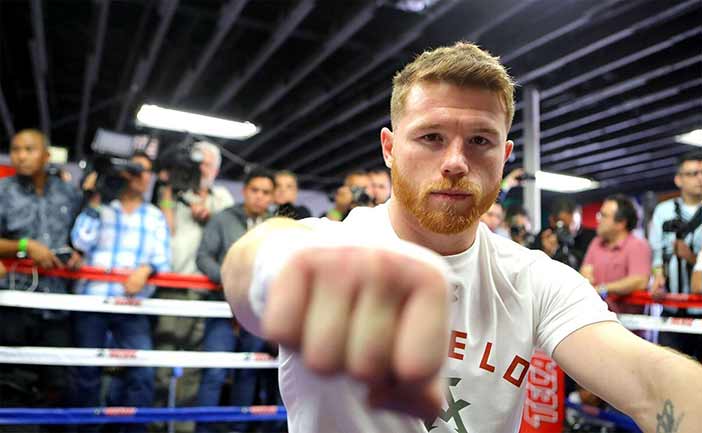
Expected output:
(602, 289)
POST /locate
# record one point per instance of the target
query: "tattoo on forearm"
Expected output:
(667, 423)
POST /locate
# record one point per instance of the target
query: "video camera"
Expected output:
(111, 161)
(182, 162)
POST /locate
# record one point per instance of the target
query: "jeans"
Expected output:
(220, 337)
(130, 331)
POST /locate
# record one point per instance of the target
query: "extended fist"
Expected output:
(377, 315)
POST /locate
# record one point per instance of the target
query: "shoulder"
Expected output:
(665, 206)
(505, 251)
(637, 243)
(219, 192)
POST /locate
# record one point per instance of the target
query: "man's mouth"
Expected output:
(451, 194)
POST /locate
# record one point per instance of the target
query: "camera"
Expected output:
(182, 162)
(110, 170)
(519, 231)
(359, 197)
(111, 160)
(682, 228)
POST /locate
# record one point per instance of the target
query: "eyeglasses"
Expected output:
(600, 215)
(693, 173)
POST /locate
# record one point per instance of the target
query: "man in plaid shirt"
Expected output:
(127, 233)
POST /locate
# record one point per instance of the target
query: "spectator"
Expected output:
(674, 253)
(342, 204)
(36, 214)
(380, 185)
(127, 233)
(220, 336)
(564, 239)
(519, 225)
(286, 196)
(187, 217)
(617, 262)
(494, 219)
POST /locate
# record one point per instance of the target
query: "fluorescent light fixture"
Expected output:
(415, 5)
(563, 183)
(154, 116)
(693, 137)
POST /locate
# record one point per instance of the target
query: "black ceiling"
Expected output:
(618, 78)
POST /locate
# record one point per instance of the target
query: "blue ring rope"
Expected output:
(100, 415)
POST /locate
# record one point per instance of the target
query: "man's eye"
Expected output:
(479, 140)
(432, 137)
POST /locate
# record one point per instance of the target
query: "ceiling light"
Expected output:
(154, 116)
(415, 5)
(563, 183)
(693, 137)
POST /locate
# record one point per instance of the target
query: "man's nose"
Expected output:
(454, 163)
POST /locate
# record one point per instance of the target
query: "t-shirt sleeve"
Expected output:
(564, 302)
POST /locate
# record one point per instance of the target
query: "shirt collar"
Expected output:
(617, 246)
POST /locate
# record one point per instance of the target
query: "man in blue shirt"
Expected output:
(127, 233)
(37, 211)
(674, 257)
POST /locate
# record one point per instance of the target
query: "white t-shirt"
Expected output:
(508, 300)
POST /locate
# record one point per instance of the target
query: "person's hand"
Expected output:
(42, 255)
(588, 271)
(75, 262)
(137, 280)
(384, 322)
(512, 179)
(683, 251)
(658, 290)
(90, 181)
(199, 212)
(549, 242)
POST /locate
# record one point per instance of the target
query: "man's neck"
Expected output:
(408, 228)
(692, 200)
(130, 200)
(616, 239)
(39, 181)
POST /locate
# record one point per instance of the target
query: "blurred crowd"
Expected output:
(189, 231)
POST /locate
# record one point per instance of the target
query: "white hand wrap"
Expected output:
(275, 251)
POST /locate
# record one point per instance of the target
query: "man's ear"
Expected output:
(386, 143)
(678, 181)
(509, 146)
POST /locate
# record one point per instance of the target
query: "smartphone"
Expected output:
(64, 254)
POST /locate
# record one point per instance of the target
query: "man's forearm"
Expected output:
(627, 285)
(675, 395)
(8, 247)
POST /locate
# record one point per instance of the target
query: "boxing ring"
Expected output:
(543, 411)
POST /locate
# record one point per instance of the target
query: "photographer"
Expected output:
(37, 211)
(675, 240)
(380, 185)
(519, 225)
(353, 193)
(187, 215)
(564, 240)
(126, 233)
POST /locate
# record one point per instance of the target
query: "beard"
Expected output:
(449, 218)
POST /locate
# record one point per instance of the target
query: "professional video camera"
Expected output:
(111, 160)
(682, 228)
(182, 162)
(359, 197)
